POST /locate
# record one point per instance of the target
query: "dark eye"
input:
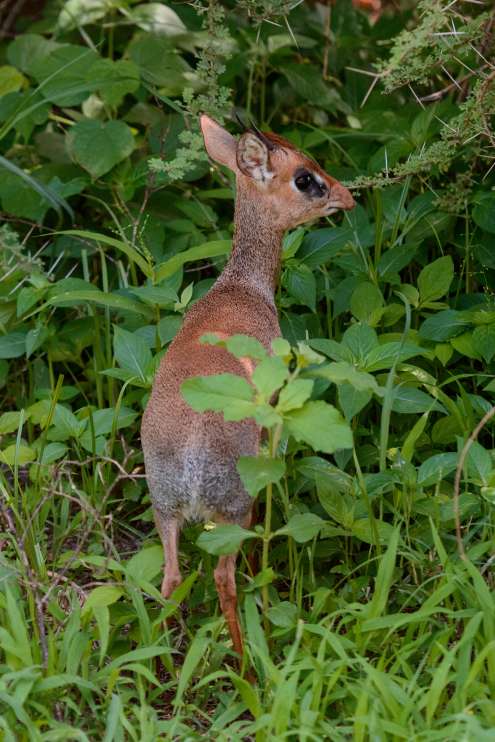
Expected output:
(304, 181)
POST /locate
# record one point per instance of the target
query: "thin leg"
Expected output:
(169, 530)
(227, 593)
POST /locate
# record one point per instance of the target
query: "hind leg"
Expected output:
(227, 593)
(169, 530)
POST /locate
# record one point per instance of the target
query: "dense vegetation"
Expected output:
(372, 613)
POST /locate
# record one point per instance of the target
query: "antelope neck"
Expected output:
(255, 257)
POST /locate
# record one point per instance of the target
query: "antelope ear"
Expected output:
(253, 158)
(220, 145)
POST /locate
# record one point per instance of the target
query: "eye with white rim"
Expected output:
(306, 181)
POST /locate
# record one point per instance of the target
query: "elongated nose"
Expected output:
(341, 197)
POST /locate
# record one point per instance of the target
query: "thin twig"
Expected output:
(457, 482)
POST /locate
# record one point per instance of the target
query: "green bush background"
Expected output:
(373, 619)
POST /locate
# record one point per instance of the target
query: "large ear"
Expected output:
(220, 145)
(253, 158)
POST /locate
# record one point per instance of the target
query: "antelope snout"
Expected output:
(340, 198)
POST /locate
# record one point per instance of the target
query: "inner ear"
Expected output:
(253, 158)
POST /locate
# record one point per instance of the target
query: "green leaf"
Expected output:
(224, 539)
(76, 13)
(321, 426)
(102, 596)
(62, 74)
(294, 395)
(301, 284)
(200, 252)
(131, 352)
(159, 63)
(225, 393)
(99, 145)
(352, 400)
(302, 527)
(241, 346)
(365, 301)
(13, 345)
(360, 339)
(10, 80)
(146, 564)
(395, 259)
(346, 373)
(444, 325)
(9, 422)
(435, 279)
(269, 375)
(484, 212)
(258, 471)
(384, 356)
(411, 400)
(283, 615)
(158, 19)
(114, 80)
(17, 454)
(484, 341)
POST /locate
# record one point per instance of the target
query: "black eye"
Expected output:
(304, 181)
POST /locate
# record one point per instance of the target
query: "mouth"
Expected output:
(335, 206)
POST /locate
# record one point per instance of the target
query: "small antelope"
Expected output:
(191, 458)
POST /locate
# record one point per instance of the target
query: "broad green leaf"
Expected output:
(484, 212)
(302, 527)
(360, 339)
(224, 539)
(484, 341)
(158, 19)
(435, 279)
(346, 373)
(131, 352)
(10, 79)
(19, 455)
(146, 564)
(62, 74)
(76, 13)
(300, 282)
(366, 299)
(102, 596)
(384, 356)
(321, 426)
(283, 615)
(159, 63)
(395, 259)
(269, 375)
(411, 400)
(241, 346)
(114, 80)
(258, 471)
(294, 395)
(436, 468)
(444, 325)
(207, 250)
(352, 400)
(9, 422)
(99, 145)
(225, 393)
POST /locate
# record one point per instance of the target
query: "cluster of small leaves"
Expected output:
(14, 255)
(437, 40)
(212, 97)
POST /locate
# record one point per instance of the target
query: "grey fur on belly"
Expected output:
(196, 486)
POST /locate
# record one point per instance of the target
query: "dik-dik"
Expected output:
(191, 458)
